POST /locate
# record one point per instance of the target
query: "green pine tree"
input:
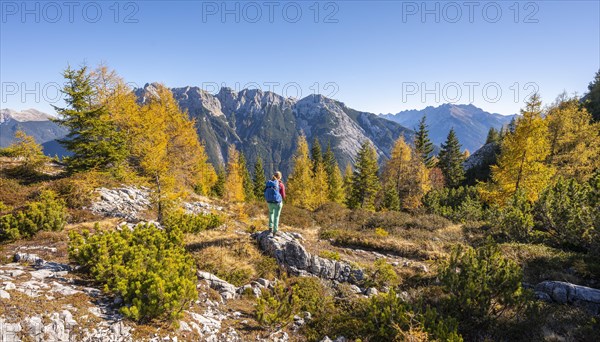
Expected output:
(591, 100)
(424, 146)
(246, 179)
(451, 160)
(219, 188)
(316, 157)
(493, 136)
(94, 138)
(336, 181)
(365, 180)
(259, 178)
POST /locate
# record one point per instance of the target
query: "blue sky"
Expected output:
(376, 56)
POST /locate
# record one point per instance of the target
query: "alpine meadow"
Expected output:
(241, 197)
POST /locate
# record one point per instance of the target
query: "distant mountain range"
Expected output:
(267, 125)
(470, 123)
(35, 124)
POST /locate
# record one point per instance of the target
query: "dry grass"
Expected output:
(231, 256)
(540, 262)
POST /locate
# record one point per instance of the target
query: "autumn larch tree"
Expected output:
(234, 185)
(28, 151)
(300, 189)
(522, 161)
(405, 178)
(574, 139)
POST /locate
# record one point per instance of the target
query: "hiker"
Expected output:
(274, 195)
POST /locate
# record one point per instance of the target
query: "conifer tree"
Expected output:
(574, 139)
(93, 138)
(320, 186)
(218, 189)
(334, 174)
(451, 160)
(316, 156)
(591, 100)
(348, 173)
(424, 146)
(259, 178)
(166, 148)
(30, 152)
(300, 189)
(493, 136)
(246, 179)
(234, 184)
(406, 174)
(521, 164)
(365, 181)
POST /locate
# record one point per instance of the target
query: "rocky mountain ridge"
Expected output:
(266, 124)
(470, 123)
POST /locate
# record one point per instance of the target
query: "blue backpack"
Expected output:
(272, 194)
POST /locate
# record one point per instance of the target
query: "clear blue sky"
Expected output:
(376, 56)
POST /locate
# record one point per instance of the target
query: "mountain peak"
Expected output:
(23, 116)
(470, 122)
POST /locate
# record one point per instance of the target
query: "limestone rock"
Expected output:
(289, 252)
(567, 293)
(125, 202)
(224, 288)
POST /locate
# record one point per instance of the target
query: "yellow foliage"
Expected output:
(300, 189)
(29, 151)
(407, 174)
(521, 165)
(234, 184)
(574, 140)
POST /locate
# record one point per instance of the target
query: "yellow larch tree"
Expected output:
(522, 162)
(234, 183)
(406, 174)
(300, 189)
(574, 139)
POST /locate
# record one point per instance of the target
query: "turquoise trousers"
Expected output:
(274, 212)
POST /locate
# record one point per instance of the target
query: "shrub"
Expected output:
(146, 266)
(382, 274)
(460, 204)
(481, 285)
(381, 232)
(515, 220)
(191, 223)
(330, 255)
(78, 189)
(568, 211)
(387, 317)
(48, 214)
(276, 307)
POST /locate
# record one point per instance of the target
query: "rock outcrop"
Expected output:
(567, 293)
(290, 253)
(125, 202)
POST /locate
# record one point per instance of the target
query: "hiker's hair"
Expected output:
(276, 176)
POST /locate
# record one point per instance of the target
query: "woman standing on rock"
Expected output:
(274, 195)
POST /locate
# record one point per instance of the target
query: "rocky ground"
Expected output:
(44, 298)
